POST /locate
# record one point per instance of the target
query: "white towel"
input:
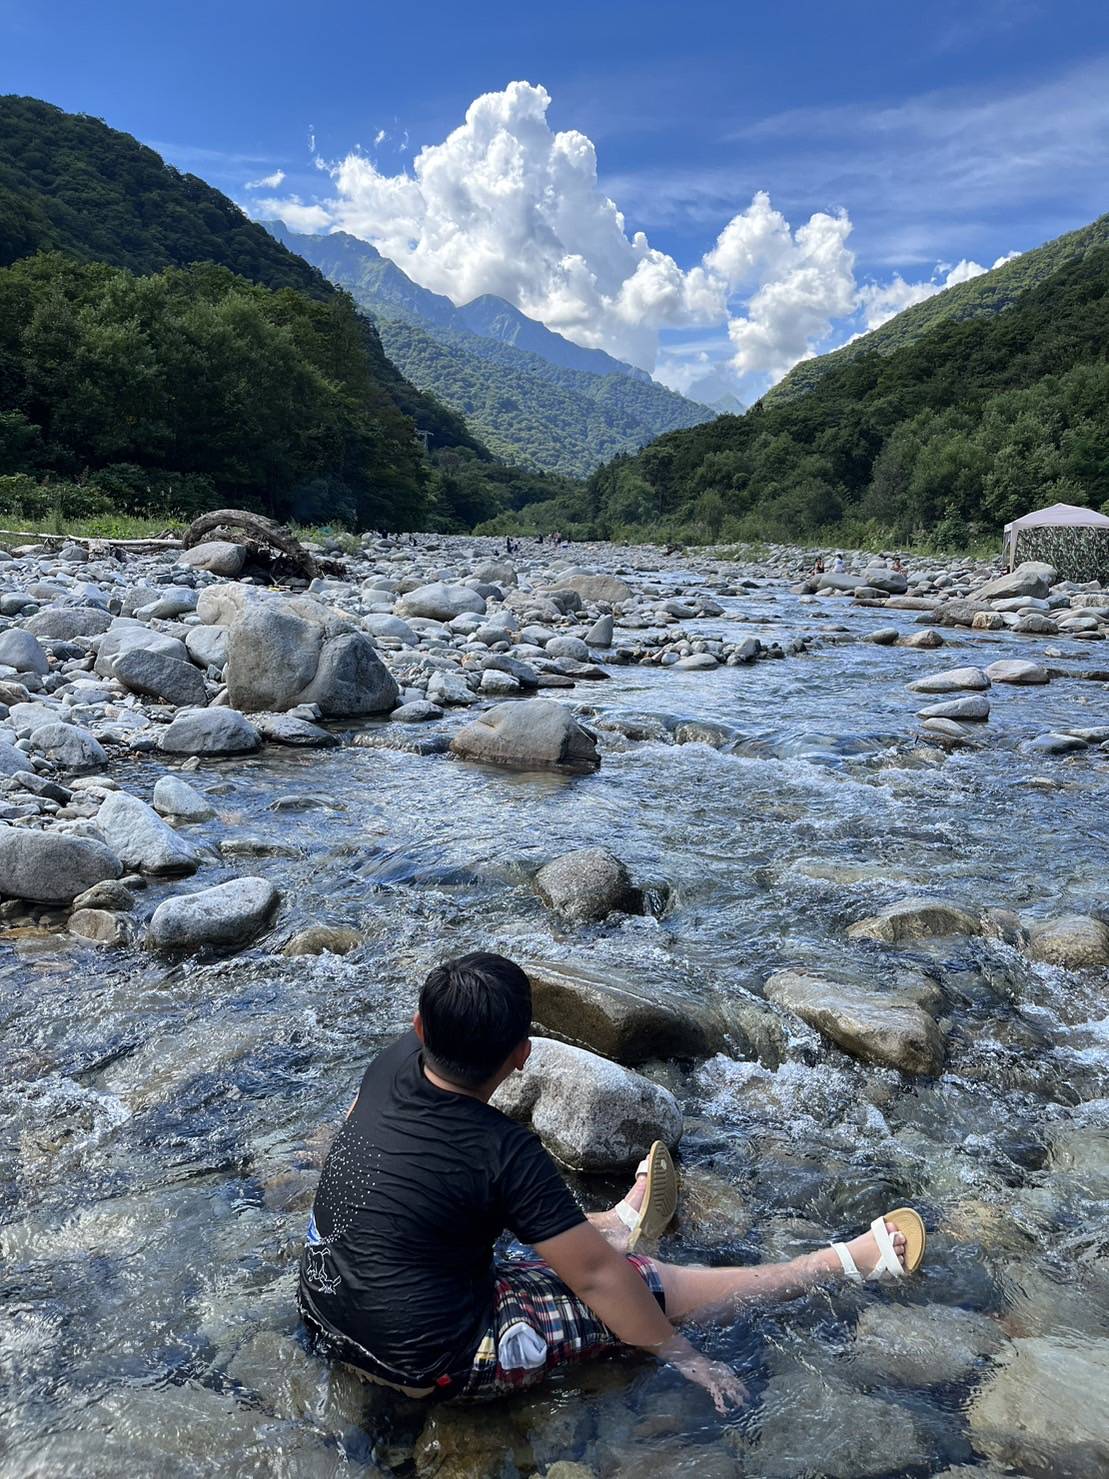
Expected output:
(521, 1348)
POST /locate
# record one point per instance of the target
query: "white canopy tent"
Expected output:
(1058, 516)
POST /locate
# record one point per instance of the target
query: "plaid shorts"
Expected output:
(530, 1290)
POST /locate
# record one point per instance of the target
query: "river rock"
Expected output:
(915, 919)
(440, 602)
(51, 868)
(207, 646)
(272, 656)
(300, 734)
(70, 746)
(974, 706)
(174, 797)
(600, 633)
(1075, 941)
(220, 556)
(1030, 579)
(891, 582)
(697, 662)
(918, 1345)
(109, 894)
(153, 673)
(955, 680)
(926, 639)
(320, 939)
(12, 761)
(811, 1423)
(621, 1015)
(592, 588)
(229, 914)
(593, 1115)
(449, 688)
(22, 651)
(381, 624)
(210, 732)
(587, 886)
(1040, 1411)
(64, 623)
(351, 679)
(531, 734)
(1017, 671)
(101, 926)
(867, 1024)
(123, 635)
(1056, 744)
(139, 837)
(883, 636)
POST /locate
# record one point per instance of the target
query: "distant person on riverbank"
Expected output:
(897, 567)
(818, 566)
(840, 565)
(399, 1275)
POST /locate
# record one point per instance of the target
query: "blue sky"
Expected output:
(892, 145)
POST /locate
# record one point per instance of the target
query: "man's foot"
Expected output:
(866, 1253)
(609, 1223)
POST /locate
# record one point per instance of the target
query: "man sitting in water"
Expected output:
(399, 1273)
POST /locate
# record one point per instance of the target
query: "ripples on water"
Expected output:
(163, 1124)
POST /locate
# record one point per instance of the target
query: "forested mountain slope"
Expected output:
(143, 318)
(70, 183)
(945, 438)
(542, 409)
(981, 297)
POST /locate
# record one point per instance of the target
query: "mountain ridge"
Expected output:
(523, 406)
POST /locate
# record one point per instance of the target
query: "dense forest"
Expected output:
(111, 365)
(980, 297)
(941, 441)
(540, 408)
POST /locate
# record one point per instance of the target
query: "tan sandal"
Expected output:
(660, 1199)
(909, 1224)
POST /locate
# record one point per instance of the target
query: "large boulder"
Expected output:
(532, 734)
(220, 556)
(51, 868)
(591, 1114)
(440, 602)
(272, 656)
(278, 657)
(138, 836)
(881, 578)
(618, 1014)
(227, 915)
(1076, 941)
(916, 919)
(217, 731)
(1040, 1413)
(70, 746)
(1030, 579)
(12, 761)
(159, 676)
(21, 650)
(609, 589)
(124, 635)
(867, 1024)
(207, 645)
(587, 886)
(350, 679)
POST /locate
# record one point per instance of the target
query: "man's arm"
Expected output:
(605, 1281)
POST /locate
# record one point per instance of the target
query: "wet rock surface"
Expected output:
(176, 1050)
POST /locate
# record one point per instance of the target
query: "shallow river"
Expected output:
(162, 1125)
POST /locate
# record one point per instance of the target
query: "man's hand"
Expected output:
(716, 1377)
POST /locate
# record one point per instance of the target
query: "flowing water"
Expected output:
(163, 1123)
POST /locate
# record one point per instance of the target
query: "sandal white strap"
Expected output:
(850, 1268)
(643, 1167)
(888, 1262)
(627, 1214)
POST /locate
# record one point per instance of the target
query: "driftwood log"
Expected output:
(265, 541)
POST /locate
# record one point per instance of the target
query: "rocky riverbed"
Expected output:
(810, 876)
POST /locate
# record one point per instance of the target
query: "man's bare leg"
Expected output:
(719, 1292)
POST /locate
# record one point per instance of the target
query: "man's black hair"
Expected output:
(475, 1010)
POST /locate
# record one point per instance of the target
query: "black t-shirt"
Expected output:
(418, 1185)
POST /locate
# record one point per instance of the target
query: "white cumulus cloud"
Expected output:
(506, 205)
(267, 182)
(882, 301)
